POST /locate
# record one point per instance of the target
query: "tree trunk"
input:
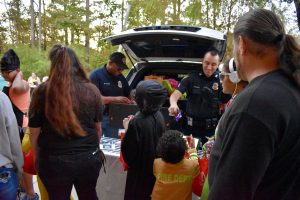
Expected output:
(87, 34)
(10, 25)
(32, 23)
(297, 5)
(40, 24)
(66, 28)
(207, 17)
(72, 35)
(44, 27)
(122, 15)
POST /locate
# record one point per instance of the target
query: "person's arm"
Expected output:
(8, 121)
(35, 121)
(34, 135)
(244, 152)
(174, 109)
(183, 86)
(18, 85)
(118, 99)
(98, 129)
(98, 108)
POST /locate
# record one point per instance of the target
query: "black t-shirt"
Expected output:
(256, 153)
(90, 112)
(204, 95)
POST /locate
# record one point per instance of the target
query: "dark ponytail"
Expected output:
(290, 58)
(264, 27)
(60, 103)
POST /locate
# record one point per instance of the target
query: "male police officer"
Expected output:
(204, 93)
(113, 87)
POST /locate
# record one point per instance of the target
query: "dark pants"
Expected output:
(60, 173)
(107, 130)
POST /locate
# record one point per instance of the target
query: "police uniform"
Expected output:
(204, 95)
(109, 85)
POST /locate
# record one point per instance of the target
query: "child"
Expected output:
(139, 143)
(174, 173)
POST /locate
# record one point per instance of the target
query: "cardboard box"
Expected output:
(159, 79)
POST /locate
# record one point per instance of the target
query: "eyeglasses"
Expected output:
(223, 74)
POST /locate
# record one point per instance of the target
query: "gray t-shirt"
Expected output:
(10, 144)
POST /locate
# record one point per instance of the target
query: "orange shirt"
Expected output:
(174, 181)
(21, 101)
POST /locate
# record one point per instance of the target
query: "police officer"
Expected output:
(204, 94)
(113, 87)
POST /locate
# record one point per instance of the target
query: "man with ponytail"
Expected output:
(65, 128)
(256, 153)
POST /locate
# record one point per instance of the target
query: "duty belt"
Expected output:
(205, 123)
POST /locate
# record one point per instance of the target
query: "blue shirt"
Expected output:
(108, 84)
(202, 104)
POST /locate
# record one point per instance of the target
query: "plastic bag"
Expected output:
(125, 166)
(198, 182)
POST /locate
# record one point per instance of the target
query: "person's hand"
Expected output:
(173, 110)
(121, 99)
(193, 150)
(133, 102)
(20, 75)
(191, 141)
(126, 121)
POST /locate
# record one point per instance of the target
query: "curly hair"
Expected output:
(171, 146)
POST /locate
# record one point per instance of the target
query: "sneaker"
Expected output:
(35, 197)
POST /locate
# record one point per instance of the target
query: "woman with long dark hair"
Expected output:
(65, 129)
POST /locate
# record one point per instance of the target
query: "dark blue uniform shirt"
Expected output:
(108, 84)
(204, 95)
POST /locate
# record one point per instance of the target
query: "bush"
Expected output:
(33, 60)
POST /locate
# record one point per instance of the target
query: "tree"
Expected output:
(87, 31)
(297, 5)
(40, 24)
(19, 22)
(32, 21)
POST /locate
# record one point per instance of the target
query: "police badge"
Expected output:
(120, 84)
(215, 86)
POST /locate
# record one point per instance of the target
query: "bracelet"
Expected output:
(193, 156)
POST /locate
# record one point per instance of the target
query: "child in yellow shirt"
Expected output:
(174, 173)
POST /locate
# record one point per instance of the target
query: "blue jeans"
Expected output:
(108, 131)
(60, 172)
(8, 184)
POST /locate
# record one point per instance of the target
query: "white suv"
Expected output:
(170, 52)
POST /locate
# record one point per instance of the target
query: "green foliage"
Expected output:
(32, 60)
(64, 21)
